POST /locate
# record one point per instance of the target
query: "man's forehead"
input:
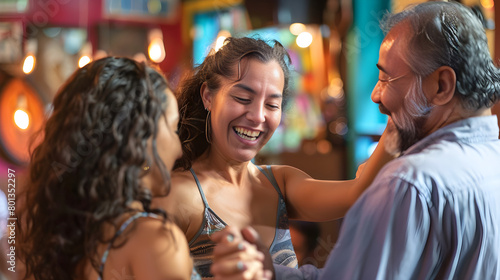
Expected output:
(397, 37)
(392, 50)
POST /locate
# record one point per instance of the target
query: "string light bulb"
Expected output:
(221, 38)
(156, 48)
(297, 28)
(86, 54)
(21, 119)
(29, 64)
(304, 39)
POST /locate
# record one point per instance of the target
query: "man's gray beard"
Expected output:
(406, 132)
(409, 120)
(392, 141)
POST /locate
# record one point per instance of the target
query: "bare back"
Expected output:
(151, 250)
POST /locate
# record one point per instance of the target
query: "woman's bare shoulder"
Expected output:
(284, 171)
(160, 251)
(182, 189)
(184, 203)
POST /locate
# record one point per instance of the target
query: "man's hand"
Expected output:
(237, 255)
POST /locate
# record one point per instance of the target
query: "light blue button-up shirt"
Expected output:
(433, 213)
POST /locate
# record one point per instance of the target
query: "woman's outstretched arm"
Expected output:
(322, 200)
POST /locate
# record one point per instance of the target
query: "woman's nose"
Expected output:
(256, 113)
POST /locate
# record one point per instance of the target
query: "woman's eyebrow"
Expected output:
(252, 91)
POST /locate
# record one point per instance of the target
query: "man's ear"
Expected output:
(446, 81)
(206, 97)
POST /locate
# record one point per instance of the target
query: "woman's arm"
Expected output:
(321, 200)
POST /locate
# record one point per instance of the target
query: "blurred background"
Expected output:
(329, 127)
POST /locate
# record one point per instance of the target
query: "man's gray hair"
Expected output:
(450, 34)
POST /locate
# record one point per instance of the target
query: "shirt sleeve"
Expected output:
(383, 235)
(305, 272)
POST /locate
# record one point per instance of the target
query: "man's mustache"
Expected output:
(384, 110)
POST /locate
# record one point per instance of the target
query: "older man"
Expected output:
(434, 212)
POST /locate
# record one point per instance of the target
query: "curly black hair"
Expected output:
(219, 64)
(88, 167)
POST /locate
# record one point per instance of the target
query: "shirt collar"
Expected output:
(470, 130)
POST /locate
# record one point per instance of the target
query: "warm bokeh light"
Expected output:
(140, 57)
(304, 39)
(297, 28)
(487, 4)
(156, 50)
(21, 119)
(84, 60)
(335, 88)
(221, 37)
(324, 146)
(29, 64)
(100, 54)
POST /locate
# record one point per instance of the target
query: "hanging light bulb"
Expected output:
(304, 39)
(156, 48)
(487, 4)
(30, 59)
(221, 37)
(85, 55)
(21, 119)
(297, 28)
(29, 64)
(84, 60)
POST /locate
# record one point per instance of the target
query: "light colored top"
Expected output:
(202, 246)
(433, 213)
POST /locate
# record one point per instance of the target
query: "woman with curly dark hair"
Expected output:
(229, 108)
(107, 149)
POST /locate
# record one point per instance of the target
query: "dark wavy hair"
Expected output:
(450, 34)
(88, 167)
(219, 64)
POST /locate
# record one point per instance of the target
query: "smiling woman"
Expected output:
(247, 111)
(229, 109)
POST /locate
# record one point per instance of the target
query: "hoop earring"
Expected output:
(208, 127)
(146, 166)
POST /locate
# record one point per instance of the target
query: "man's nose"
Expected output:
(376, 93)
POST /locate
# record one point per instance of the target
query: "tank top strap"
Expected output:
(122, 228)
(270, 176)
(281, 249)
(199, 188)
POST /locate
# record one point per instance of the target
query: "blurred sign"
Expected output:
(11, 42)
(13, 6)
(141, 8)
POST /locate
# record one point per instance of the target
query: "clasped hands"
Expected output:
(239, 254)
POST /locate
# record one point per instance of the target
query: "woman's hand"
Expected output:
(360, 169)
(237, 255)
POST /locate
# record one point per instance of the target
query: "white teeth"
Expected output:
(247, 134)
(246, 137)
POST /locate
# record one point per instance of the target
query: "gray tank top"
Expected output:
(201, 246)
